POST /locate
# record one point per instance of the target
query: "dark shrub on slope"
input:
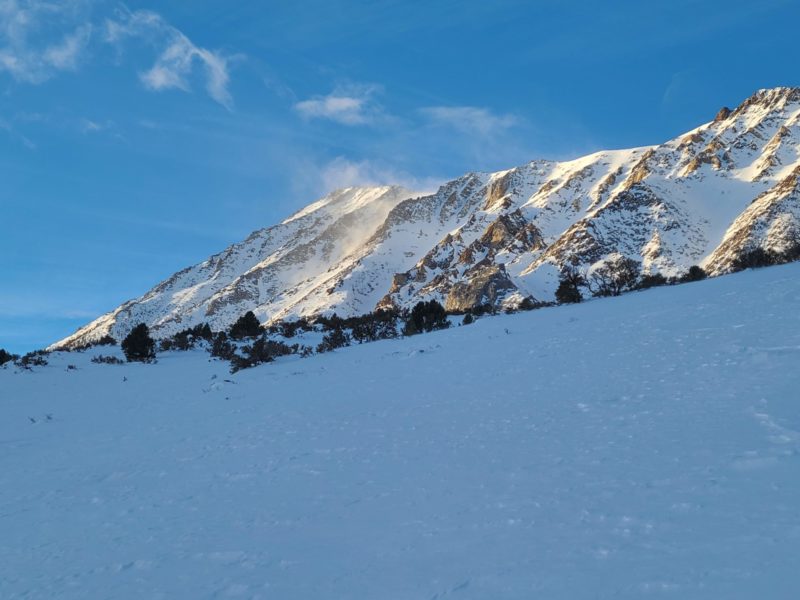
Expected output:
(107, 360)
(186, 339)
(426, 316)
(6, 357)
(379, 325)
(247, 326)
(221, 347)
(568, 291)
(694, 273)
(138, 346)
(261, 351)
(334, 339)
(37, 358)
(616, 275)
(759, 257)
(106, 340)
(651, 280)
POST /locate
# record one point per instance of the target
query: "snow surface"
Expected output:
(642, 446)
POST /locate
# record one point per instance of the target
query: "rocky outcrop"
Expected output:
(487, 284)
(723, 114)
(770, 223)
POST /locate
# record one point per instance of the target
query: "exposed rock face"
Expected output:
(488, 284)
(704, 198)
(723, 114)
(771, 222)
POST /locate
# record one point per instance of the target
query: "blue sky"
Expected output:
(139, 138)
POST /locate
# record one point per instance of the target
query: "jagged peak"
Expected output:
(770, 99)
(785, 90)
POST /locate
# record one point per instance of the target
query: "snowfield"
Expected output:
(642, 446)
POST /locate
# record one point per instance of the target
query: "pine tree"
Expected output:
(6, 357)
(755, 258)
(246, 327)
(651, 280)
(568, 291)
(694, 273)
(204, 332)
(138, 346)
(426, 316)
(410, 328)
(335, 339)
(221, 347)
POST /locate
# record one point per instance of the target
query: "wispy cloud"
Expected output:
(27, 28)
(40, 38)
(7, 127)
(178, 55)
(471, 120)
(89, 126)
(65, 55)
(29, 305)
(274, 83)
(353, 104)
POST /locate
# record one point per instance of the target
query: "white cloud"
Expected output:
(88, 126)
(29, 53)
(24, 28)
(178, 56)
(132, 24)
(65, 56)
(348, 105)
(469, 119)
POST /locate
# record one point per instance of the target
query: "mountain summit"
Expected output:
(704, 198)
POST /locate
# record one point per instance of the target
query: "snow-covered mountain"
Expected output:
(703, 198)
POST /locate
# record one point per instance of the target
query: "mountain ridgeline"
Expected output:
(711, 198)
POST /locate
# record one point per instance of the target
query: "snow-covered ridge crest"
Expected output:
(703, 198)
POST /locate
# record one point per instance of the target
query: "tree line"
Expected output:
(246, 343)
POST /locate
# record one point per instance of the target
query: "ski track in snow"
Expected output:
(642, 446)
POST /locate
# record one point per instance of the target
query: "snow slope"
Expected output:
(704, 198)
(641, 446)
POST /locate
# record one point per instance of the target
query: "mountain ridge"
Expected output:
(705, 198)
